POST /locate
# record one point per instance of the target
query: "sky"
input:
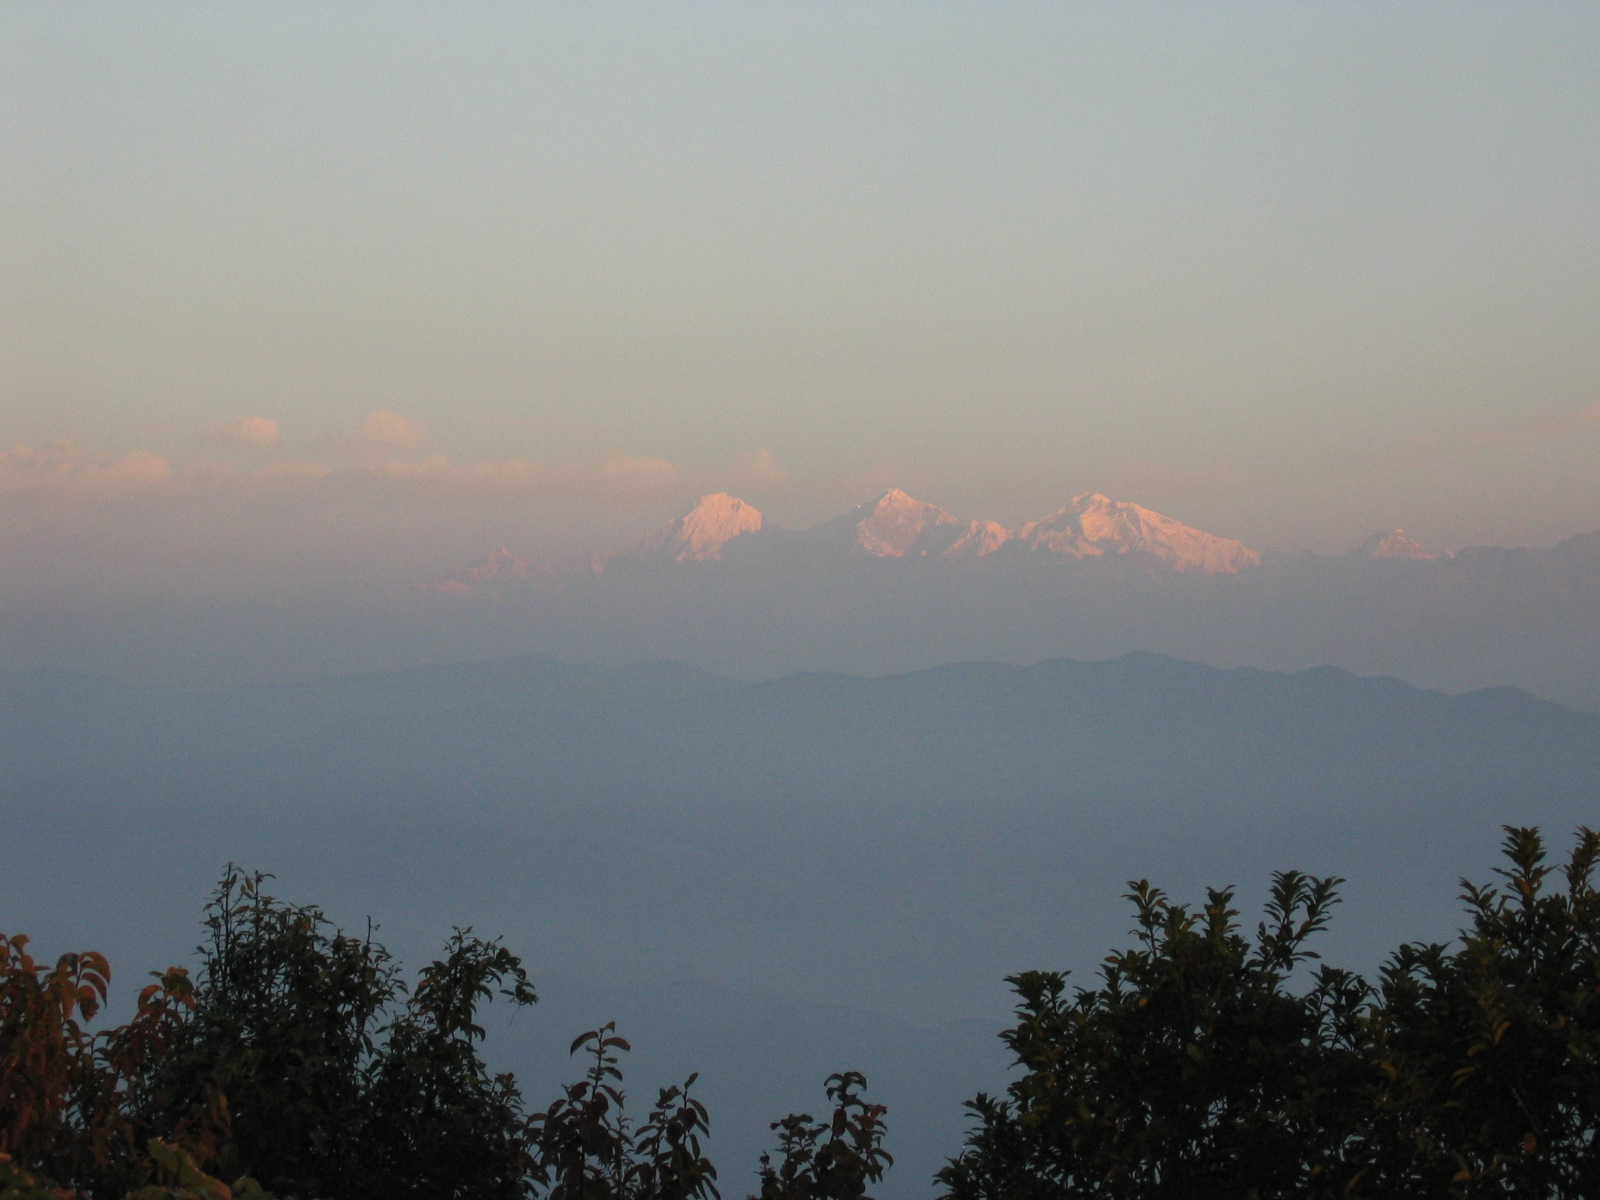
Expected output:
(295, 292)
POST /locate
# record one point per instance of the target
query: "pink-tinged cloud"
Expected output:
(75, 523)
(641, 474)
(759, 468)
(63, 471)
(391, 430)
(288, 474)
(1551, 427)
(623, 479)
(259, 433)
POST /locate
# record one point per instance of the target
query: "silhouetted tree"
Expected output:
(586, 1148)
(1192, 1070)
(1197, 1067)
(1486, 1060)
(66, 1096)
(298, 1057)
(301, 1065)
(833, 1159)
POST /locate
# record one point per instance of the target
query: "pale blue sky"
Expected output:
(1289, 272)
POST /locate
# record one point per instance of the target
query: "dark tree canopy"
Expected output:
(1211, 1063)
(299, 1063)
(1207, 1061)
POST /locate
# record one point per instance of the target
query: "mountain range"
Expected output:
(899, 583)
(895, 584)
(899, 526)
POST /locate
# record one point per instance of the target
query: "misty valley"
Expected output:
(770, 882)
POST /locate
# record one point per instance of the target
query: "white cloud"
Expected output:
(759, 468)
(62, 470)
(258, 432)
(1548, 427)
(65, 472)
(391, 430)
(78, 522)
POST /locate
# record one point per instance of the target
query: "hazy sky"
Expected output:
(289, 284)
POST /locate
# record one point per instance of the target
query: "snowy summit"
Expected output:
(1394, 544)
(702, 532)
(1094, 525)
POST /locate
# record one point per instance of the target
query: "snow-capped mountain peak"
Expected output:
(1093, 525)
(702, 532)
(899, 526)
(977, 541)
(895, 525)
(1394, 544)
(493, 571)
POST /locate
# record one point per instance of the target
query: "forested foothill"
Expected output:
(1206, 1061)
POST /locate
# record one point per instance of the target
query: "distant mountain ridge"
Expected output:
(895, 584)
(898, 583)
(897, 525)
